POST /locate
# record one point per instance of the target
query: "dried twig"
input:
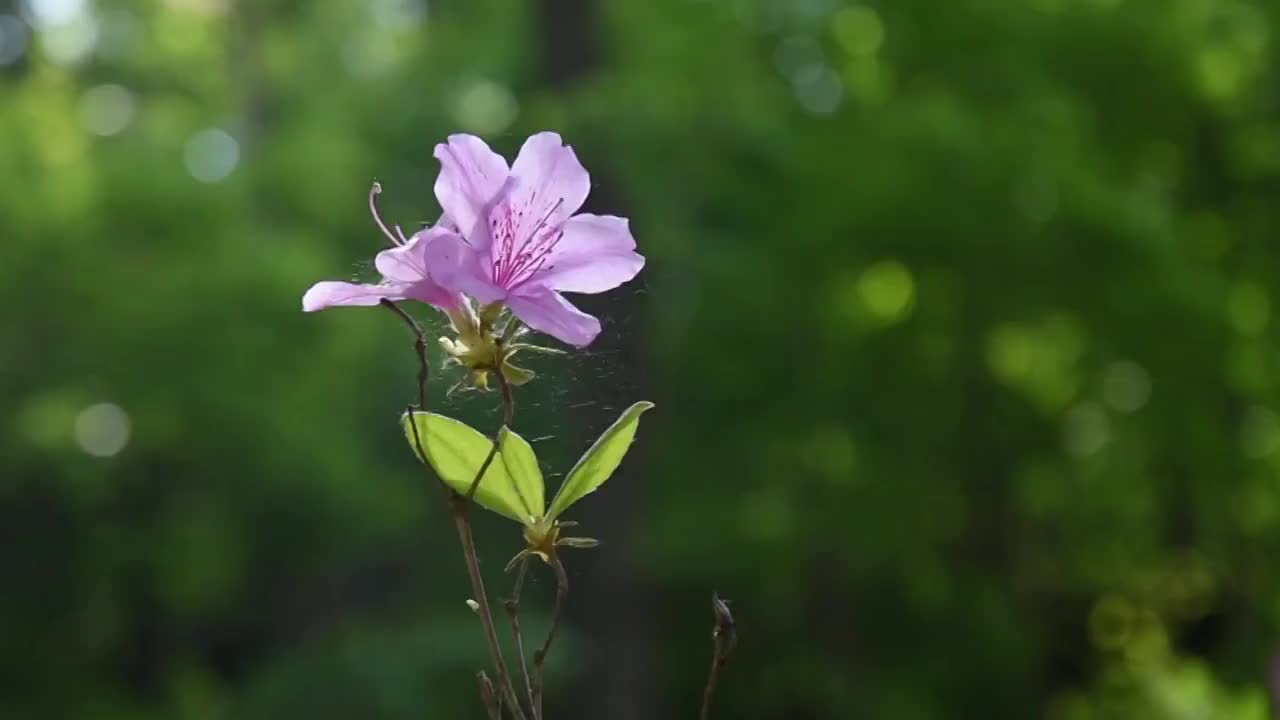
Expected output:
(540, 657)
(512, 605)
(725, 638)
(419, 347)
(489, 697)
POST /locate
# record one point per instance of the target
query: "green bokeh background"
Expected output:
(957, 315)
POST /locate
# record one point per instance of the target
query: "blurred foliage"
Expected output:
(957, 318)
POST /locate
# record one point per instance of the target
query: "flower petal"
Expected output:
(471, 176)
(404, 262)
(429, 292)
(457, 266)
(596, 253)
(408, 262)
(548, 312)
(550, 184)
(333, 294)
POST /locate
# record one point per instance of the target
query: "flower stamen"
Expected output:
(515, 266)
(374, 191)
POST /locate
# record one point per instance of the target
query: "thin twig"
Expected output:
(461, 506)
(540, 657)
(513, 614)
(461, 520)
(419, 347)
(488, 696)
(508, 411)
(724, 637)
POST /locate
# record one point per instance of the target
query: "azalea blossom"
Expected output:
(404, 274)
(512, 235)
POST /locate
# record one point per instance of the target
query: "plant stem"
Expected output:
(461, 520)
(508, 411)
(513, 614)
(724, 637)
(540, 657)
(419, 347)
(487, 696)
(460, 506)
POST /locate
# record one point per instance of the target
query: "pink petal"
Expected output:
(429, 292)
(404, 263)
(471, 175)
(407, 263)
(332, 294)
(548, 312)
(596, 253)
(457, 266)
(550, 184)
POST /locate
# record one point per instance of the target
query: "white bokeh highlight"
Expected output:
(211, 155)
(102, 430)
(106, 110)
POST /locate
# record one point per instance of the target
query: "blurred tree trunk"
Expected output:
(612, 604)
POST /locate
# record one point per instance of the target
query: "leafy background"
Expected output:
(957, 317)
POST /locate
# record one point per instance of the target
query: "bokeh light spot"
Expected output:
(44, 14)
(13, 39)
(106, 109)
(1220, 73)
(102, 430)
(485, 107)
(70, 43)
(858, 29)
(1085, 429)
(795, 53)
(887, 290)
(211, 155)
(1039, 360)
(1126, 386)
(367, 54)
(1148, 643)
(392, 15)
(818, 89)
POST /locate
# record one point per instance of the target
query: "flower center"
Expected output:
(519, 255)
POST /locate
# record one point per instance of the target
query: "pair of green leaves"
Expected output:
(512, 486)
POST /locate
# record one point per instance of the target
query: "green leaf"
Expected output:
(521, 464)
(517, 376)
(600, 460)
(456, 451)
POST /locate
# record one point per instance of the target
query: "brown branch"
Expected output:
(461, 520)
(508, 411)
(512, 605)
(724, 637)
(540, 657)
(487, 696)
(419, 347)
(461, 507)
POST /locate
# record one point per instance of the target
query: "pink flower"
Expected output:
(514, 237)
(404, 274)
